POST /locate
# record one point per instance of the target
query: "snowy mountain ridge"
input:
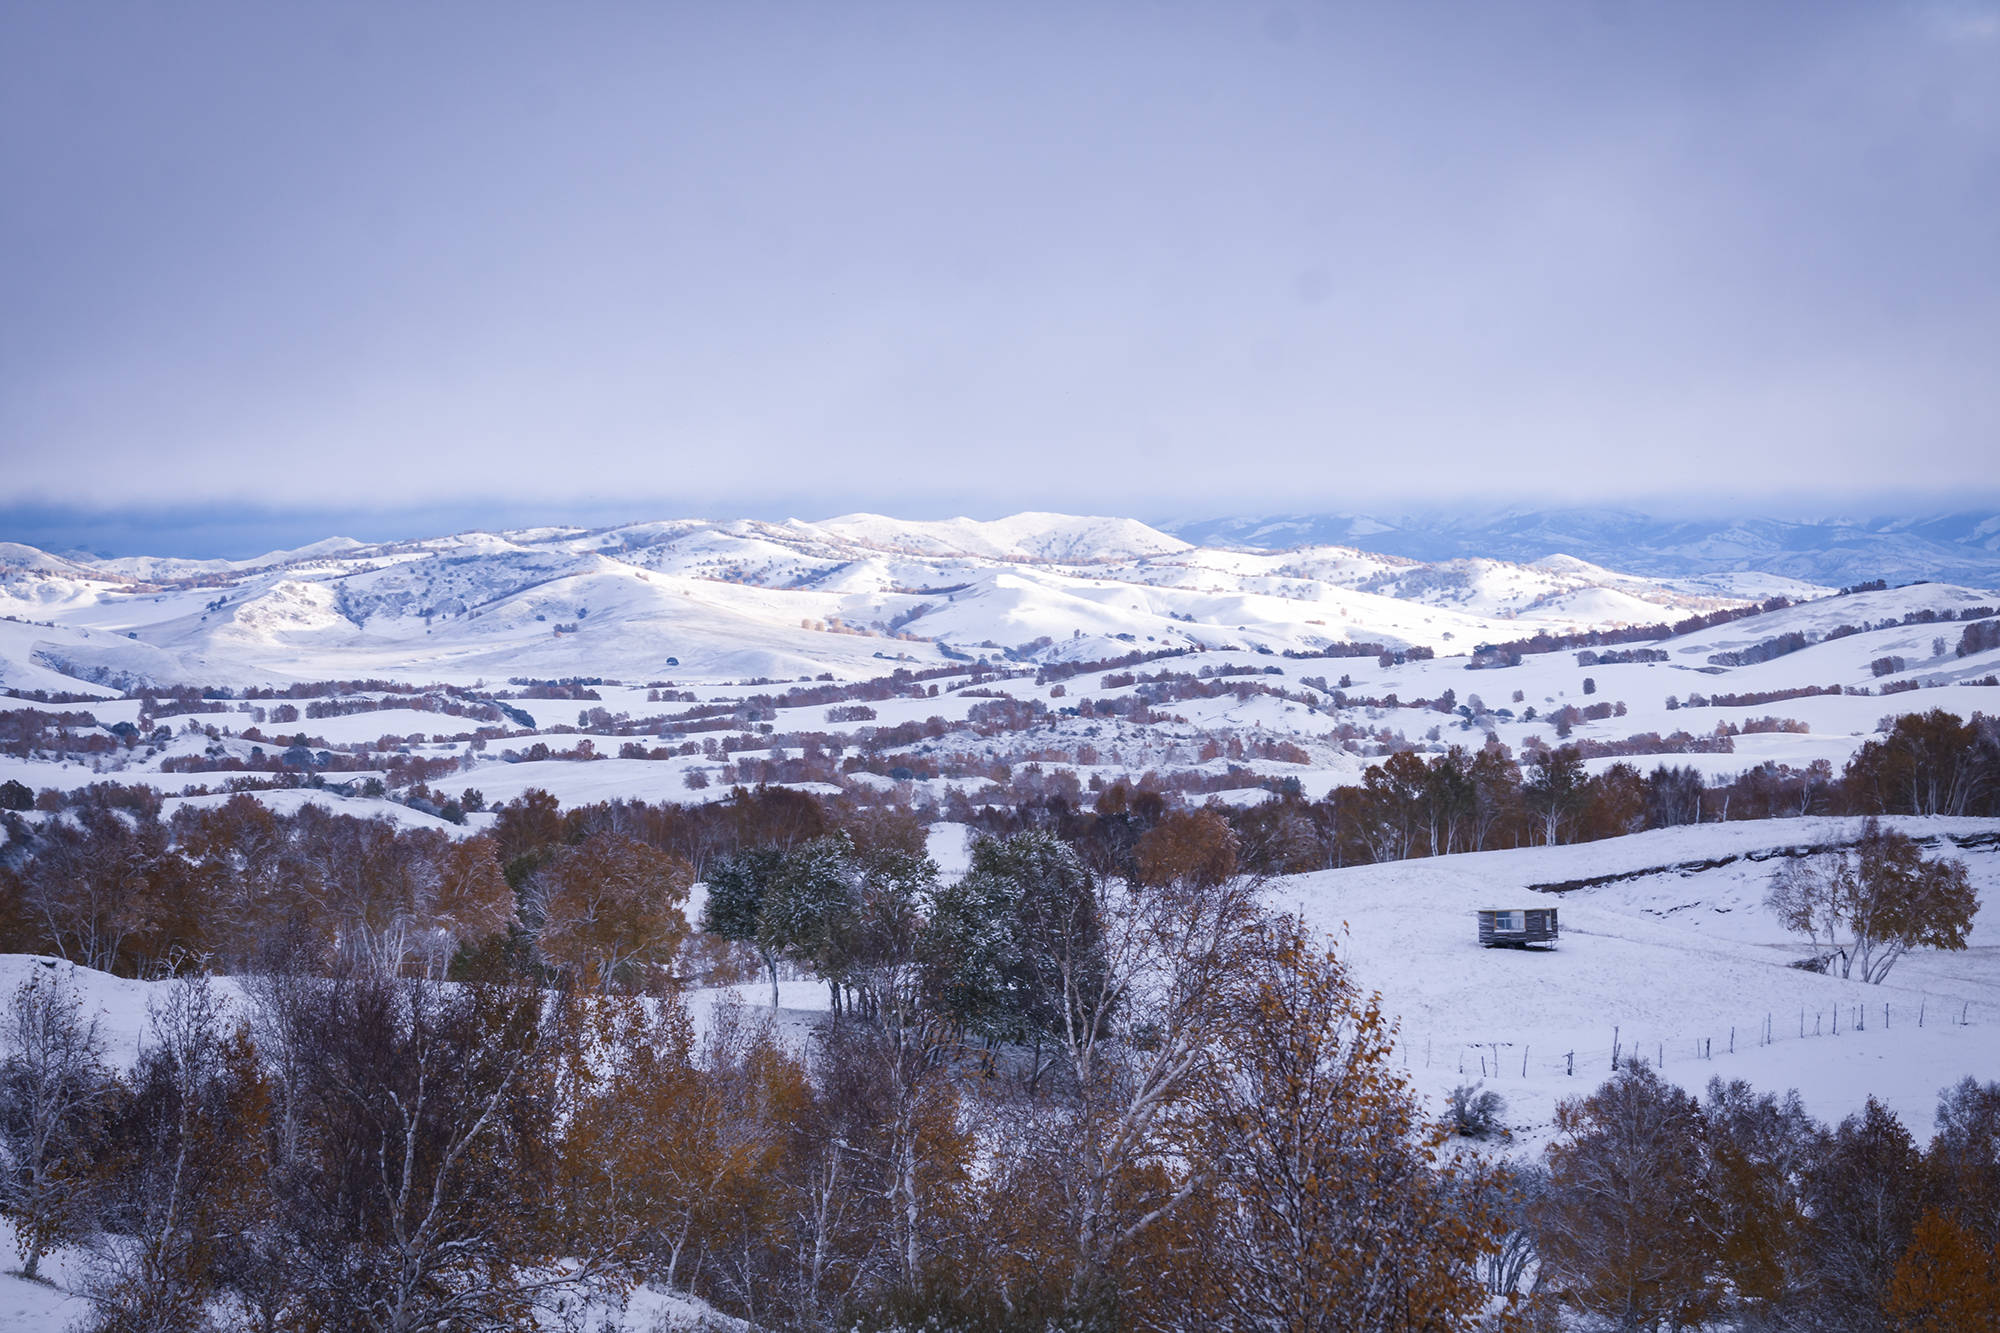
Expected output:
(732, 599)
(1956, 547)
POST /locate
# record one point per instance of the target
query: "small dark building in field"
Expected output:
(1520, 926)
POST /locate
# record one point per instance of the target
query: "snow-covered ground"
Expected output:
(46, 1306)
(1664, 964)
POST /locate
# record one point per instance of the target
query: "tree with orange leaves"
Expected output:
(1946, 1280)
(1332, 1208)
(674, 1149)
(1193, 848)
(468, 901)
(609, 908)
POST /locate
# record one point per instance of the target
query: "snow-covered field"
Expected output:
(1665, 964)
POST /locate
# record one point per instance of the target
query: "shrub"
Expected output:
(1475, 1114)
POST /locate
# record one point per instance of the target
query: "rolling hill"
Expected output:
(730, 600)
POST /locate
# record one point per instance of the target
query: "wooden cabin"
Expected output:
(1520, 926)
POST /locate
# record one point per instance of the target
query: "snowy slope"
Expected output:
(694, 599)
(1673, 956)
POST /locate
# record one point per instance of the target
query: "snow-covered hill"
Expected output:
(1958, 547)
(693, 599)
(1675, 961)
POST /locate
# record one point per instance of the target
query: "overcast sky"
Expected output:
(1149, 258)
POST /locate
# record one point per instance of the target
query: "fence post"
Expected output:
(1524, 1062)
(1732, 1040)
(1614, 1048)
(1569, 1064)
(1921, 1006)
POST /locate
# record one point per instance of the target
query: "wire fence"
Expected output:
(1500, 1060)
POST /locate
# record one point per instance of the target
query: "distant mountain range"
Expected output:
(1952, 548)
(700, 599)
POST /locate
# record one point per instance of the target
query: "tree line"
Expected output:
(1462, 800)
(595, 891)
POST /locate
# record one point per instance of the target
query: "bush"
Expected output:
(1474, 1114)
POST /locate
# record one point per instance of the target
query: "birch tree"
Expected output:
(1139, 1030)
(55, 1087)
(1871, 907)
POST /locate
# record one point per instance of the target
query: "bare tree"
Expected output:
(1808, 896)
(55, 1085)
(423, 1194)
(192, 1180)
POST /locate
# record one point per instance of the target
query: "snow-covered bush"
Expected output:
(1475, 1114)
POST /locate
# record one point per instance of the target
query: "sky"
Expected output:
(272, 263)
